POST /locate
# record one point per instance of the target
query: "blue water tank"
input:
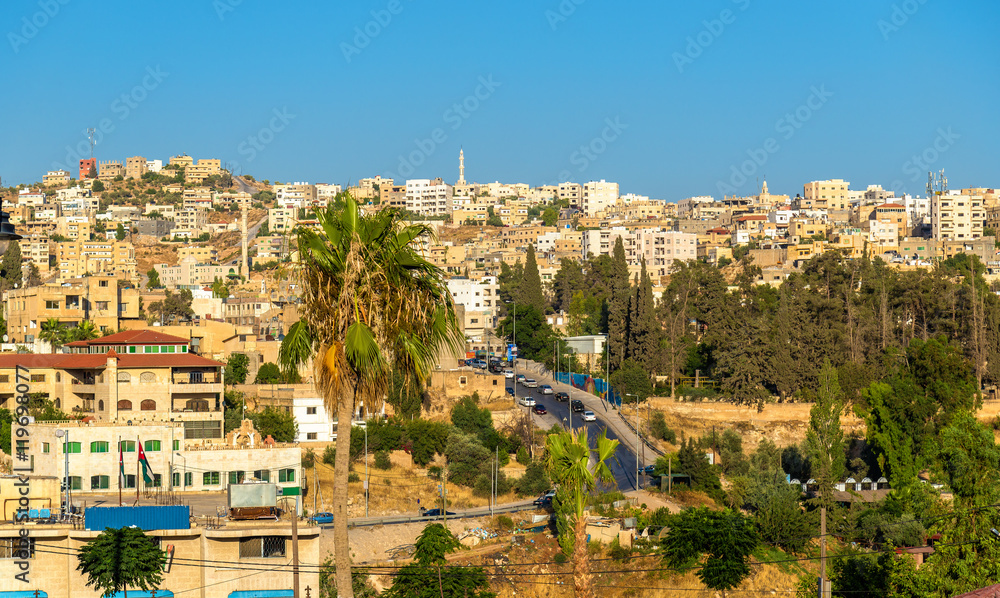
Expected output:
(145, 518)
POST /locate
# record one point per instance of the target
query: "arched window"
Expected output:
(148, 405)
(124, 405)
(100, 405)
(147, 377)
(57, 403)
(124, 377)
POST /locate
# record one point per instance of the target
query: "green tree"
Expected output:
(278, 424)
(534, 335)
(470, 418)
(219, 288)
(34, 276)
(154, 279)
(550, 216)
(632, 379)
(493, 219)
(96, 186)
(578, 468)
(237, 368)
(727, 537)
(85, 330)
(644, 330)
(268, 373)
(530, 293)
(119, 559)
(618, 307)
(174, 306)
(120, 232)
(371, 305)
(10, 267)
(825, 438)
(428, 577)
(54, 333)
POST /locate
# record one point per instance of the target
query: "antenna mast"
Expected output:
(90, 134)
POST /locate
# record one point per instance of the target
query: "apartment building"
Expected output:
(56, 177)
(135, 167)
(189, 273)
(229, 199)
(661, 248)
(30, 197)
(326, 192)
(96, 298)
(479, 300)
(597, 196)
(190, 222)
(155, 227)
(602, 241)
(295, 195)
(392, 196)
(281, 219)
(203, 254)
(195, 174)
(245, 311)
(891, 213)
(74, 227)
(84, 257)
(86, 166)
(198, 197)
(825, 195)
(272, 248)
(36, 251)
(957, 217)
(109, 171)
(428, 197)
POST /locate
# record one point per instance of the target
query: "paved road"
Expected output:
(623, 464)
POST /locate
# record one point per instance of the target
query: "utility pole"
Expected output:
(367, 475)
(825, 590)
(295, 550)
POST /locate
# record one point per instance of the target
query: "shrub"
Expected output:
(353, 477)
(382, 460)
(534, 481)
(658, 427)
(503, 523)
(619, 552)
(467, 461)
(560, 558)
(523, 457)
(329, 455)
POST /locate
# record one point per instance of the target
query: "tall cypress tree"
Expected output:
(531, 283)
(618, 307)
(645, 331)
(11, 266)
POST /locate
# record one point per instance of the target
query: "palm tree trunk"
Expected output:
(581, 561)
(341, 463)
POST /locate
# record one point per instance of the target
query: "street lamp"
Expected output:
(628, 394)
(64, 434)
(513, 355)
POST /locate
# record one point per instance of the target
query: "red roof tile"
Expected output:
(890, 205)
(87, 361)
(988, 592)
(133, 337)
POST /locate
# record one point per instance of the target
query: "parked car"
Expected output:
(435, 513)
(322, 518)
(526, 401)
(510, 390)
(588, 416)
(649, 469)
(520, 377)
(546, 389)
(562, 397)
(539, 409)
(577, 406)
(508, 374)
(545, 499)
(530, 383)
(479, 363)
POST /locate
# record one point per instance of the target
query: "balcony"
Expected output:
(196, 378)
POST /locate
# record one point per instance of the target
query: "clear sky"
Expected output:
(670, 99)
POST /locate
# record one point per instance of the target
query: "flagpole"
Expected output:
(120, 470)
(137, 466)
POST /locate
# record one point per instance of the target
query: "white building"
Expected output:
(429, 197)
(479, 299)
(598, 195)
(154, 165)
(314, 422)
(957, 217)
(660, 248)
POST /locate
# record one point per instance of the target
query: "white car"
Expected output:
(588, 416)
(546, 389)
(530, 383)
(526, 401)
(508, 374)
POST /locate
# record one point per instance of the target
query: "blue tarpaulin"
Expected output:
(146, 518)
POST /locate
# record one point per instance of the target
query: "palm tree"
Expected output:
(84, 331)
(569, 463)
(53, 332)
(370, 304)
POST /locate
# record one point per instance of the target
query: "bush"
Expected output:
(619, 552)
(658, 427)
(329, 455)
(523, 457)
(353, 477)
(484, 485)
(382, 460)
(534, 481)
(424, 439)
(503, 523)
(467, 461)
(560, 558)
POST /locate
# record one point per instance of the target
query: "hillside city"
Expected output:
(812, 371)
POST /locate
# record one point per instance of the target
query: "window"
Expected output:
(148, 405)
(236, 477)
(196, 430)
(265, 547)
(38, 377)
(175, 479)
(17, 548)
(263, 475)
(129, 481)
(99, 482)
(22, 446)
(124, 405)
(4, 378)
(311, 436)
(51, 305)
(99, 447)
(103, 283)
(45, 447)
(102, 305)
(71, 447)
(157, 481)
(286, 475)
(75, 482)
(177, 445)
(310, 411)
(152, 446)
(189, 479)
(128, 446)
(210, 478)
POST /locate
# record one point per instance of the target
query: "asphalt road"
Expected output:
(623, 463)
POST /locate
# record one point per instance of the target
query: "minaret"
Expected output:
(461, 167)
(245, 265)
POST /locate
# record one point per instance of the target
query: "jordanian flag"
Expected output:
(121, 463)
(147, 471)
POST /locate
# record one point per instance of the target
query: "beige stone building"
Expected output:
(135, 167)
(598, 196)
(957, 217)
(109, 171)
(826, 195)
(56, 177)
(191, 273)
(195, 174)
(95, 298)
(79, 258)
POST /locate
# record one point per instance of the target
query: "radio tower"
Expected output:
(90, 134)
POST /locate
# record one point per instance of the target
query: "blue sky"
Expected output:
(670, 99)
